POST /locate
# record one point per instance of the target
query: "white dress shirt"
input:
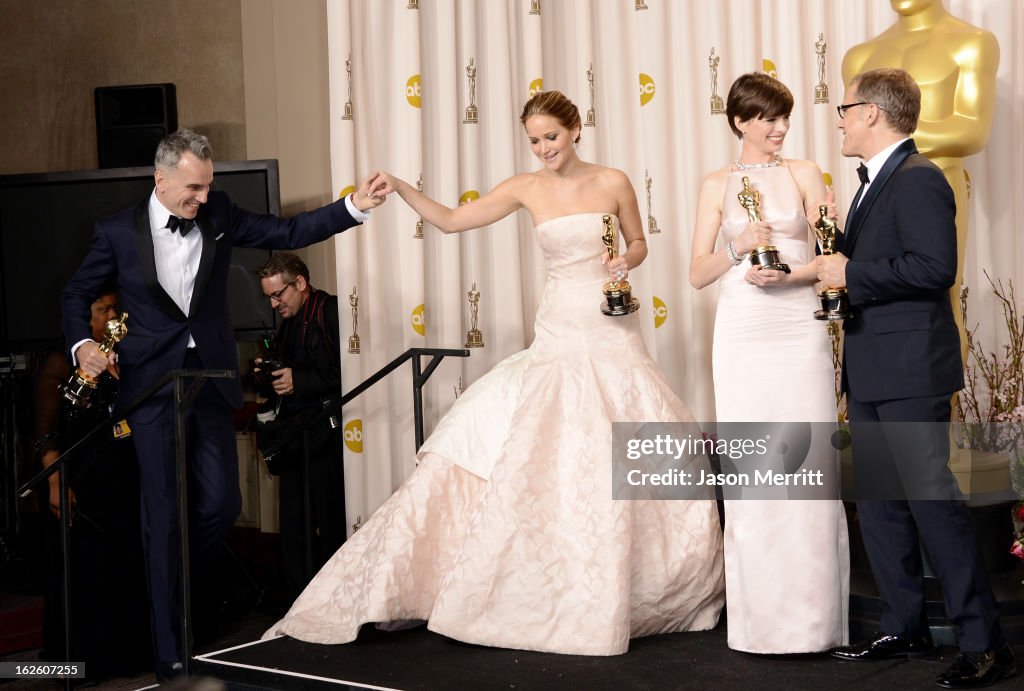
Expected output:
(874, 165)
(177, 258)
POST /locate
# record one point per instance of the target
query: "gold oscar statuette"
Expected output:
(347, 114)
(474, 337)
(80, 387)
(353, 340)
(591, 120)
(821, 88)
(418, 235)
(618, 295)
(639, 5)
(717, 104)
(835, 303)
(652, 222)
(471, 110)
(765, 256)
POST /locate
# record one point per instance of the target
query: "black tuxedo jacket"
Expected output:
(158, 330)
(902, 341)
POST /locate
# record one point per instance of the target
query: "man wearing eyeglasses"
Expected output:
(169, 258)
(901, 365)
(307, 342)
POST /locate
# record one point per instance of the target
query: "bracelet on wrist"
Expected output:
(734, 258)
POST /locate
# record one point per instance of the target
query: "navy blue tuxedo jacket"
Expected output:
(122, 254)
(902, 341)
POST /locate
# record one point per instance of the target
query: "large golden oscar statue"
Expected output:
(955, 65)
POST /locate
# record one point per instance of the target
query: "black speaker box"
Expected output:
(131, 121)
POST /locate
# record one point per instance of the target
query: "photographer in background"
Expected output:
(301, 374)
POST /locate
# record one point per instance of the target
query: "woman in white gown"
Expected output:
(786, 561)
(506, 534)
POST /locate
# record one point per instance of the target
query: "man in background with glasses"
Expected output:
(307, 378)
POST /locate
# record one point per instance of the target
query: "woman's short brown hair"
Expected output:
(757, 94)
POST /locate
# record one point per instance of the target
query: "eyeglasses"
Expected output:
(276, 295)
(842, 109)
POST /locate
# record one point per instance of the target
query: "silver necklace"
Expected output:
(774, 163)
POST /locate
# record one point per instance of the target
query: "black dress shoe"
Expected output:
(886, 647)
(166, 671)
(972, 670)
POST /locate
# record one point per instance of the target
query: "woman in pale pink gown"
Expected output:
(786, 560)
(506, 534)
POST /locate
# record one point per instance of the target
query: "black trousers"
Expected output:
(907, 498)
(213, 495)
(327, 529)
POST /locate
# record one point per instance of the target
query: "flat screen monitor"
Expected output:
(46, 226)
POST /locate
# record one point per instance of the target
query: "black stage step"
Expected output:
(419, 660)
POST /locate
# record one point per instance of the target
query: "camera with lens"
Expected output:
(264, 380)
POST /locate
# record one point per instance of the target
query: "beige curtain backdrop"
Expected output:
(401, 68)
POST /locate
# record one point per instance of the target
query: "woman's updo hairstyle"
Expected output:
(555, 104)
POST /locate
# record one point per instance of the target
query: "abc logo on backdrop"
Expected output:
(468, 196)
(536, 86)
(646, 89)
(346, 191)
(412, 91)
(354, 435)
(419, 320)
(660, 312)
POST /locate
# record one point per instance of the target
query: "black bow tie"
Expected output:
(862, 173)
(181, 225)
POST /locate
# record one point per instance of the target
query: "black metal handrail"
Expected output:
(183, 397)
(117, 414)
(331, 406)
(420, 375)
